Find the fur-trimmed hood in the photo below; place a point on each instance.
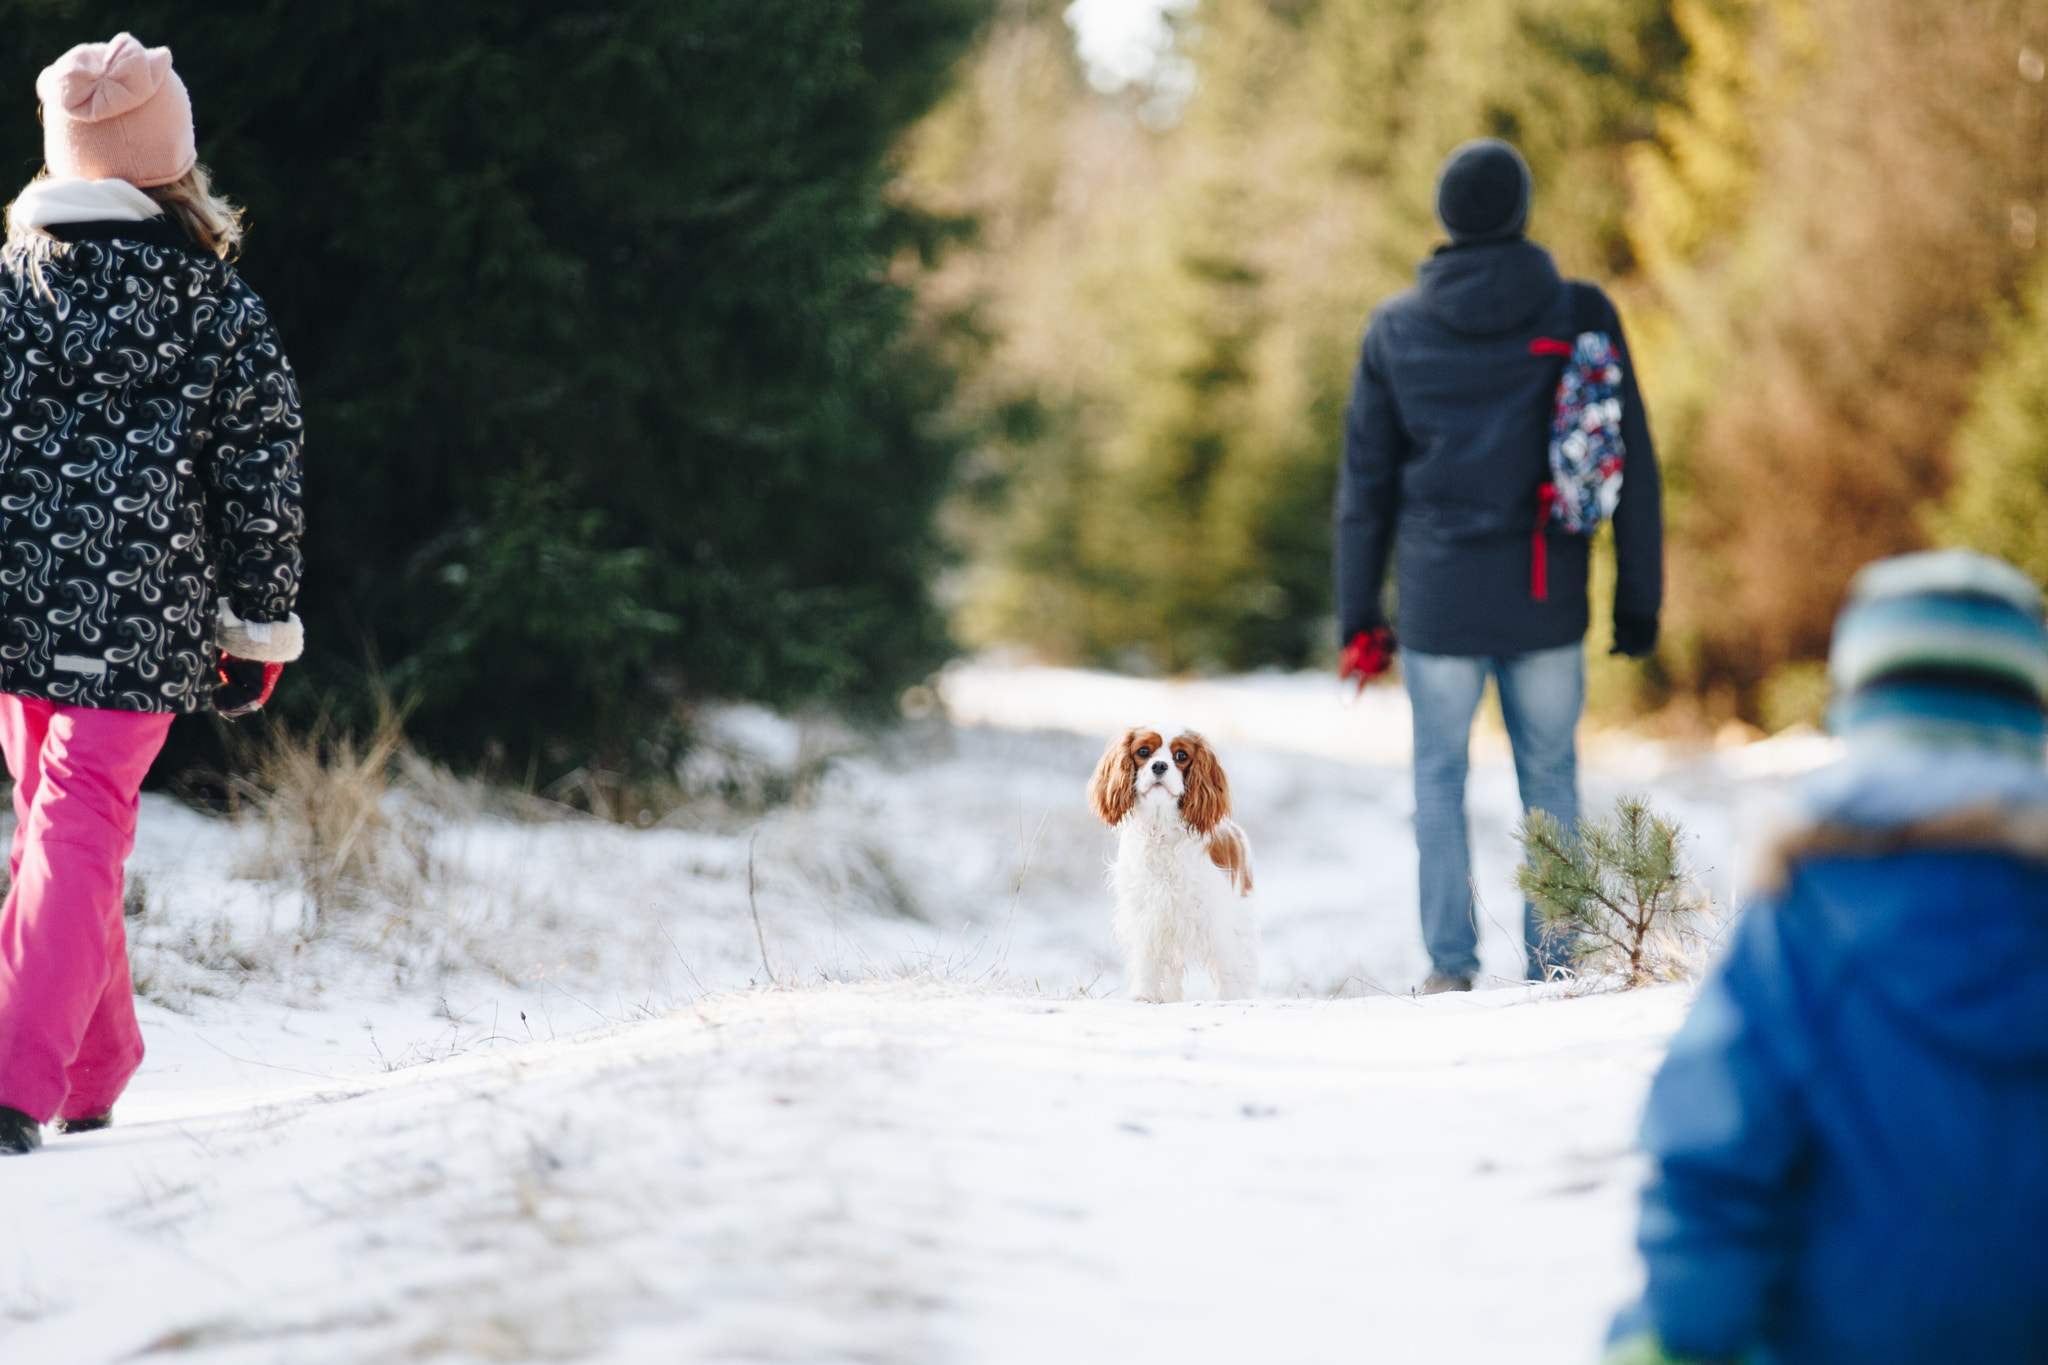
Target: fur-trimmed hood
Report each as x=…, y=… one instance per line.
x=1927, y=874
x=1895, y=799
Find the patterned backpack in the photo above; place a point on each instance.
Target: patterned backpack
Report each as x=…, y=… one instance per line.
x=1586, y=451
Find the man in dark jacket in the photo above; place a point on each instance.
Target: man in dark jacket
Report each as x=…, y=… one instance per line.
x=1446, y=449
x=1849, y=1137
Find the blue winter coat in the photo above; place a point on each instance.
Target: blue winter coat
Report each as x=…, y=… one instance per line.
x=1850, y=1134
x=1447, y=440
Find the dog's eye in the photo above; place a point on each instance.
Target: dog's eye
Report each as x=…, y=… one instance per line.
x=1144, y=751
x=1180, y=755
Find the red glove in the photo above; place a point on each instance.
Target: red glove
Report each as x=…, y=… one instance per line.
x=1370, y=653
x=245, y=684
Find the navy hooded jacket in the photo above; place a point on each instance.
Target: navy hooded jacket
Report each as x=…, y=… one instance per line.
x=1445, y=445
x=1850, y=1134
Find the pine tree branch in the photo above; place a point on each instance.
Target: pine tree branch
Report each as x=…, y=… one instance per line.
x=1610, y=888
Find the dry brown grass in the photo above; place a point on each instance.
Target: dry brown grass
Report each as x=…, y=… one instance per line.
x=347, y=827
x=322, y=795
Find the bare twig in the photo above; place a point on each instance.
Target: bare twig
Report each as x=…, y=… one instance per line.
x=759, y=937
x=676, y=948
x=1017, y=889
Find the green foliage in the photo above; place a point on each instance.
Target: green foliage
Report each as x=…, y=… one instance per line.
x=1695, y=184
x=2000, y=500
x=612, y=400
x=1617, y=891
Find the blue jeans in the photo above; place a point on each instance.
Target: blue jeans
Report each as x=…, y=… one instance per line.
x=1541, y=695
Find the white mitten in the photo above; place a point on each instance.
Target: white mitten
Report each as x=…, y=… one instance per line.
x=268, y=642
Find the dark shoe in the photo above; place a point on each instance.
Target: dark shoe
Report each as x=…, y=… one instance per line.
x=1439, y=982
x=18, y=1132
x=92, y=1123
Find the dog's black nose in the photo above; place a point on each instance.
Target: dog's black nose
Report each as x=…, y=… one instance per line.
x=1160, y=767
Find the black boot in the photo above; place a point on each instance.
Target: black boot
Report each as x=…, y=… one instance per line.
x=18, y=1132
x=92, y=1123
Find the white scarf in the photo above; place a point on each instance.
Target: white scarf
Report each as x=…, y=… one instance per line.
x=67, y=199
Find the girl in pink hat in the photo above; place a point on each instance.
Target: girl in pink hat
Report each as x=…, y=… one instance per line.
x=149, y=541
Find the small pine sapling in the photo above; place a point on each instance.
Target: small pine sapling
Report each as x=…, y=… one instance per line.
x=1619, y=893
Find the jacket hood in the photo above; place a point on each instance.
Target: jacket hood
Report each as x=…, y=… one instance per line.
x=1934, y=890
x=1484, y=288
x=1892, y=786
x=67, y=199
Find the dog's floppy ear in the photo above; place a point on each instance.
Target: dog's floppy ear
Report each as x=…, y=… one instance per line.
x=1207, y=796
x=1114, y=788
x=1229, y=851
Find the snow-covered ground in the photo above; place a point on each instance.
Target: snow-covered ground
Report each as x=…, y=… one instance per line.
x=847, y=1080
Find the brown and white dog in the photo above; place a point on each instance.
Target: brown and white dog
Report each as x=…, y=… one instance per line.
x=1183, y=869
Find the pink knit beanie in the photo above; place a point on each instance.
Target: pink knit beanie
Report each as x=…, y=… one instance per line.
x=116, y=111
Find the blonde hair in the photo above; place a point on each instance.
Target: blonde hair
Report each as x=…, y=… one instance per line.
x=210, y=222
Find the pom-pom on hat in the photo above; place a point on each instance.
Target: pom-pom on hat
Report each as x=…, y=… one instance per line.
x=116, y=111
x=1944, y=648
x=1482, y=192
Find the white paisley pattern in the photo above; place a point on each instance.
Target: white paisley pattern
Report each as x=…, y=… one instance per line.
x=149, y=461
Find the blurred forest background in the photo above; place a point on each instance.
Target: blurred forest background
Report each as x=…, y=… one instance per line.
x=1820, y=218
x=663, y=350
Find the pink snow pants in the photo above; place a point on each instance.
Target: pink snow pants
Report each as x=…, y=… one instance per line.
x=68, y=1036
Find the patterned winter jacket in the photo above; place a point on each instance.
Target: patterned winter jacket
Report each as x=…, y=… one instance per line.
x=149, y=464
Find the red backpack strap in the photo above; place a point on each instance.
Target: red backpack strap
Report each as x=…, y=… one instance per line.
x=1583, y=315
x=1539, y=544
x=1584, y=318
x=1546, y=495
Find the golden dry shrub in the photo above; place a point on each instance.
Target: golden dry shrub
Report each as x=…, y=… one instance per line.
x=322, y=797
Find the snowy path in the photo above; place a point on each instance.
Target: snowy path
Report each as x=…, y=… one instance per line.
x=880, y=1174
x=532, y=1109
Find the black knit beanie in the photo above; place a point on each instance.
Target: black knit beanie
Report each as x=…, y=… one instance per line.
x=1482, y=192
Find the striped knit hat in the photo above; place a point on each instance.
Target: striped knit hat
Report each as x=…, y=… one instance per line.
x=1945, y=648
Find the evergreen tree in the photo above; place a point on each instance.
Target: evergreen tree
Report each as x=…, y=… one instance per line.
x=1693, y=185
x=1616, y=891
x=611, y=400
x=2000, y=500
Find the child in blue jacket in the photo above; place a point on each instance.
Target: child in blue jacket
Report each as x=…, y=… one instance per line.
x=1850, y=1134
